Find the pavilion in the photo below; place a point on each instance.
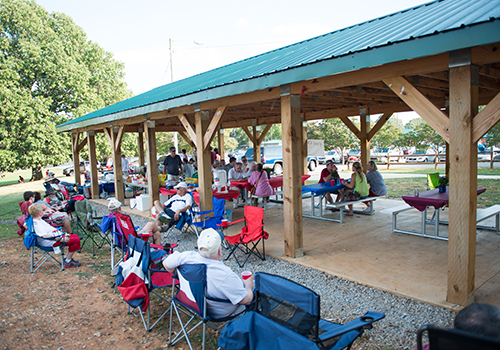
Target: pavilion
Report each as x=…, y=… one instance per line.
x=440, y=59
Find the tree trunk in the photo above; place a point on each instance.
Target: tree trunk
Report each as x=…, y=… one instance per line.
x=36, y=173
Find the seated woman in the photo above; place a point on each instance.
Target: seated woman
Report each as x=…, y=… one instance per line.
x=43, y=229
x=357, y=184
x=260, y=180
x=55, y=218
x=328, y=174
x=376, y=182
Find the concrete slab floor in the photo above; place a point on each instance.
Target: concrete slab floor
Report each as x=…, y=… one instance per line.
x=364, y=249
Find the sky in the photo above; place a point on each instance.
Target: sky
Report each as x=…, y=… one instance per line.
x=207, y=34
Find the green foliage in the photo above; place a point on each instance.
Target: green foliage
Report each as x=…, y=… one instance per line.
x=443, y=181
x=335, y=134
x=389, y=135
x=413, y=123
x=51, y=73
x=424, y=136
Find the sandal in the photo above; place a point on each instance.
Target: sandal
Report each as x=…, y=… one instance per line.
x=349, y=214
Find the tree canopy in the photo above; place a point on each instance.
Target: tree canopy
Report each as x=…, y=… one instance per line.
x=49, y=73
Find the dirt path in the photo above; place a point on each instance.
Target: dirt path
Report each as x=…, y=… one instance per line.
x=72, y=309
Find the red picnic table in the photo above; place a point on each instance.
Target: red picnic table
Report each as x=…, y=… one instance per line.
x=426, y=199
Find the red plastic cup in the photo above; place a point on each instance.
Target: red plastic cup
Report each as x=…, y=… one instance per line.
x=332, y=182
x=246, y=275
x=224, y=223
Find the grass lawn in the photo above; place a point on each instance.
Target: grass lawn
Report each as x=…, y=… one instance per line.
x=11, y=178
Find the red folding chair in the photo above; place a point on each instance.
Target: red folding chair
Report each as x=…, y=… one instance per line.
x=251, y=235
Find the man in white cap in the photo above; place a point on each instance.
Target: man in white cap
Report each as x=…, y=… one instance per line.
x=175, y=209
x=222, y=282
x=114, y=205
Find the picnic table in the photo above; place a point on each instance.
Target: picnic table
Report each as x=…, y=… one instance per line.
x=424, y=201
x=319, y=190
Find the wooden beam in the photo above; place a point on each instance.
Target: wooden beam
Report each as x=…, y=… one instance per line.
x=220, y=143
x=152, y=173
x=264, y=132
x=420, y=104
x=94, y=180
x=81, y=145
x=292, y=168
x=189, y=128
x=186, y=138
x=257, y=155
x=249, y=134
x=75, y=139
x=117, y=165
x=486, y=119
x=364, y=121
x=213, y=126
x=463, y=188
x=140, y=145
x=351, y=126
x=380, y=123
x=204, y=162
x=119, y=138
x=107, y=132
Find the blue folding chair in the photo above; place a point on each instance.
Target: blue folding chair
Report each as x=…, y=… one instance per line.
x=138, y=279
x=287, y=316
x=185, y=225
x=191, y=299
x=215, y=221
x=48, y=253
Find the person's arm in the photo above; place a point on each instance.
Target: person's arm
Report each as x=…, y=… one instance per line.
x=178, y=212
x=328, y=178
x=171, y=262
x=249, y=287
x=352, y=183
x=179, y=160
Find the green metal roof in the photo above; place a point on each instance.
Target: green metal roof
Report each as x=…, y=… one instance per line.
x=428, y=29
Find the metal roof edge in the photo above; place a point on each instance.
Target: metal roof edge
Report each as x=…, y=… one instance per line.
x=464, y=37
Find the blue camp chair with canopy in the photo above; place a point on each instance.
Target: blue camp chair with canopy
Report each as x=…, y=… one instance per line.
x=191, y=299
x=47, y=253
x=138, y=280
x=287, y=316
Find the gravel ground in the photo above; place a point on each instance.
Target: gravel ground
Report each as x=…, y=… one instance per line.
x=343, y=300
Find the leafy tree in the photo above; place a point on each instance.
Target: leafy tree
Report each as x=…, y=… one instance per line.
x=387, y=136
x=335, y=135
x=50, y=73
x=413, y=123
x=424, y=136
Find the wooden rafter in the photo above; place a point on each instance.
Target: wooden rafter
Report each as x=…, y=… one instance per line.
x=486, y=119
x=119, y=137
x=420, y=104
x=249, y=134
x=351, y=126
x=186, y=138
x=263, y=133
x=213, y=126
x=380, y=123
x=81, y=145
x=187, y=125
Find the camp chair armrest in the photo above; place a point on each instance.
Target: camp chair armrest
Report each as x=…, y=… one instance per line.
x=235, y=222
x=144, y=234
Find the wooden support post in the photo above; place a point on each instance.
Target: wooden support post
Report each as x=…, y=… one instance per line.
x=153, y=184
x=94, y=181
x=256, y=144
x=116, y=143
x=140, y=145
x=76, y=157
x=202, y=119
x=220, y=144
x=304, y=149
x=447, y=161
x=292, y=167
x=364, y=142
x=463, y=185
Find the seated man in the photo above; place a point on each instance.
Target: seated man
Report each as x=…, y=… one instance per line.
x=175, y=209
x=43, y=229
x=237, y=174
x=328, y=174
x=222, y=282
x=115, y=205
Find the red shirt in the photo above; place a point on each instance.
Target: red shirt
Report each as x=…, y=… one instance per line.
x=324, y=173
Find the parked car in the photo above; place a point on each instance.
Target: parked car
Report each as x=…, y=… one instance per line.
x=271, y=157
x=380, y=154
x=237, y=154
x=354, y=155
x=421, y=156
x=84, y=166
x=333, y=155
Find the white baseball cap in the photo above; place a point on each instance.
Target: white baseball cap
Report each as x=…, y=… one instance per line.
x=210, y=240
x=114, y=204
x=181, y=185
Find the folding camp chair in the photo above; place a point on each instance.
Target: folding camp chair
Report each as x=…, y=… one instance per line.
x=287, y=316
x=191, y=298
x=186, y=226
x=215, y=221
x=432, y=180
x=137, y=279
x=251, y=235
x=121, y=228
x=47, y=253
x=454, y=339
x=88, y=225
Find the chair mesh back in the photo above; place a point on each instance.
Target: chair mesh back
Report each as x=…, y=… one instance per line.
x=193, y=282
x=219, y=205
x=288, y=303
x=254, y=217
